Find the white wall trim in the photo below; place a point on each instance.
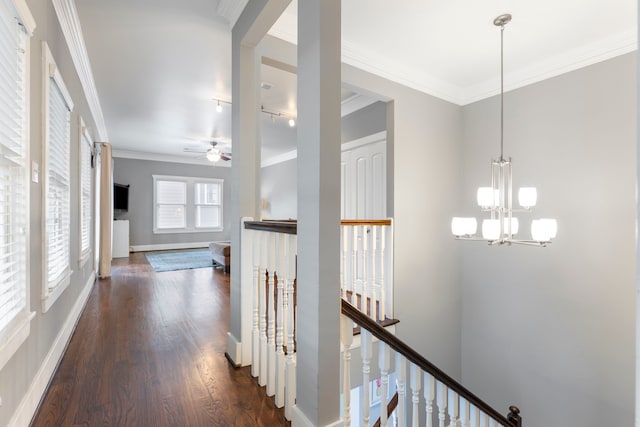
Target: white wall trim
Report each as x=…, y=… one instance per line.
x=280, y=158
x=599, y=51
x=29, y=403
x=234, y=349
x=169, y=158
x=72, y=30
x=25, y=16
x=299, y=419
x=168, y=246
x=354, y=103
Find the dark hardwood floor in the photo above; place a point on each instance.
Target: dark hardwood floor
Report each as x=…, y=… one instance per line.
x=149, y=351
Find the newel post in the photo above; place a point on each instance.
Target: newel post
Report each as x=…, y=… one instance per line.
x=514, y=416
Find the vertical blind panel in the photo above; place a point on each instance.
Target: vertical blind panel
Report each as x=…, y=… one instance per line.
x=13, y=188
x=207, y=216
x=171, y=192
x=85, y=189
x=171, y=216
x=58, y=215
x=207, y=193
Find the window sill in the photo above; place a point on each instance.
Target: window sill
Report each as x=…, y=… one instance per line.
x=52, y=294
x=186, y=230
x=17, y=334
x=84, y=258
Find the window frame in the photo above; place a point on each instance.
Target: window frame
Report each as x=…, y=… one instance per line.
x=52, y=288
x=86, y=143
x=16, y=331
x=190, y=207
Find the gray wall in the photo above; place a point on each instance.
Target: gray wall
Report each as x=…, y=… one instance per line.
x=364, y=122
x=552, y=330
x=20, y=371
x=138, y=174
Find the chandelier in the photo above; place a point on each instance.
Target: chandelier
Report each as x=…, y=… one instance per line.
x=497, y=200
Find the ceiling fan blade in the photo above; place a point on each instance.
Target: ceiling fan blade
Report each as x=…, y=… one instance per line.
x=225, y=157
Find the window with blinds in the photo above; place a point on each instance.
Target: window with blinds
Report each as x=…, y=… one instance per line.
x=57, y=185
x=186, y=204
x=14, y=185
x=85, y=193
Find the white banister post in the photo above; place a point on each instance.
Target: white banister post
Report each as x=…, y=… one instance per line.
x=366, y=350
x=416, y=376
x=271, y=315
x=281, y=280
x=354, y=267
x=346, y=336
x=290, y=371
x=374, y=294
x=383, y=286
x=454, y=408
x=262, y=284
x=384, y=363
x=442, y=404
x=401, y=378
x=365, y=281
x=255, y=333
x=429, y=397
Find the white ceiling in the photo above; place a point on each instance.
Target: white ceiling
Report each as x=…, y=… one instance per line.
x=159, y=63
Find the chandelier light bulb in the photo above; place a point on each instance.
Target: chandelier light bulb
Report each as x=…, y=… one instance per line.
x=487, y=197
x=464, y=226
x=527, y=197
x=491, y=229
x=515, y=226
x=544, y=229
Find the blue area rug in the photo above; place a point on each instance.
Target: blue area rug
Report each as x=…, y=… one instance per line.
x=179, y=260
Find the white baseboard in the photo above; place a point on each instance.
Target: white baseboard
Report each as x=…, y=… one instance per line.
x=168, y=246
x=234, y=350
x=29, y=404
x=299, y=419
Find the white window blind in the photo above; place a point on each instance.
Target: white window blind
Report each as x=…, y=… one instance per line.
x=187, y=204
x=171, y=203
x=85, y=193
x=207, y=204
x=13, y=181
x=57, y=188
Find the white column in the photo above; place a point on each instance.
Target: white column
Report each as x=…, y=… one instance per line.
x=318, y=330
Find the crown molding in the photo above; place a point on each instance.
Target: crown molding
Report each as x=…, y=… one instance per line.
x=354, y=103
x=168, y=158
x=72, y=31
x=231, y=10
x=590, y=54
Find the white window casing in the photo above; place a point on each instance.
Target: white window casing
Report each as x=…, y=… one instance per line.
x=187, y=204
x=16, y=26
x=57, y=182
x=85, y=195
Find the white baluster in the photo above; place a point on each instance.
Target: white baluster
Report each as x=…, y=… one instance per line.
x=476, y=416
x=454, y=408
x=365, y=349
x=384, y=362
x=383, y=288
x=442, y=404
x=401, y=378
x=486, y=420
x=262, y=379
x=493, y=423
x=281, y=275
x=416, y=376
x=466, y=413
x=271, y=318
x=429, y=397
x=365, y=283
x=354, y=267
x=374, y=295
x=255, y=331
x=290, y=373
x=346, y=336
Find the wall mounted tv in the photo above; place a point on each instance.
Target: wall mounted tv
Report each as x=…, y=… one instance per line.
x=120, y=197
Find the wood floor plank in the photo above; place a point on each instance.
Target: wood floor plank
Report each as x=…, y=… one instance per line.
x=149, y=351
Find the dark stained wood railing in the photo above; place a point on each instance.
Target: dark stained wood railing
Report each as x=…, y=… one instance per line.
x=513, y=419
x=391, y=406
x=290, y=226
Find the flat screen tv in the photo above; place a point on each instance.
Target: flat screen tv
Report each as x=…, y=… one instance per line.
x=120, y=197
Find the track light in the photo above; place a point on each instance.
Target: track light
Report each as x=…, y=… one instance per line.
x=292, y=123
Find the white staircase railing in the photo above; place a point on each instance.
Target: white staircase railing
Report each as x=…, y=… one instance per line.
x=447, y=403
x=269, y=292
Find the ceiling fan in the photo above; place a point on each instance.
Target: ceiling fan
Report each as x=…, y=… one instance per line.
x=213, y=154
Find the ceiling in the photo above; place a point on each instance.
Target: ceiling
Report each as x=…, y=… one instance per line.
x=158, y=65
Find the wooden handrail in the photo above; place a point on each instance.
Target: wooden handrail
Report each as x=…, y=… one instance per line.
x=512, y=420
x=393, y=403
x=290, y=226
